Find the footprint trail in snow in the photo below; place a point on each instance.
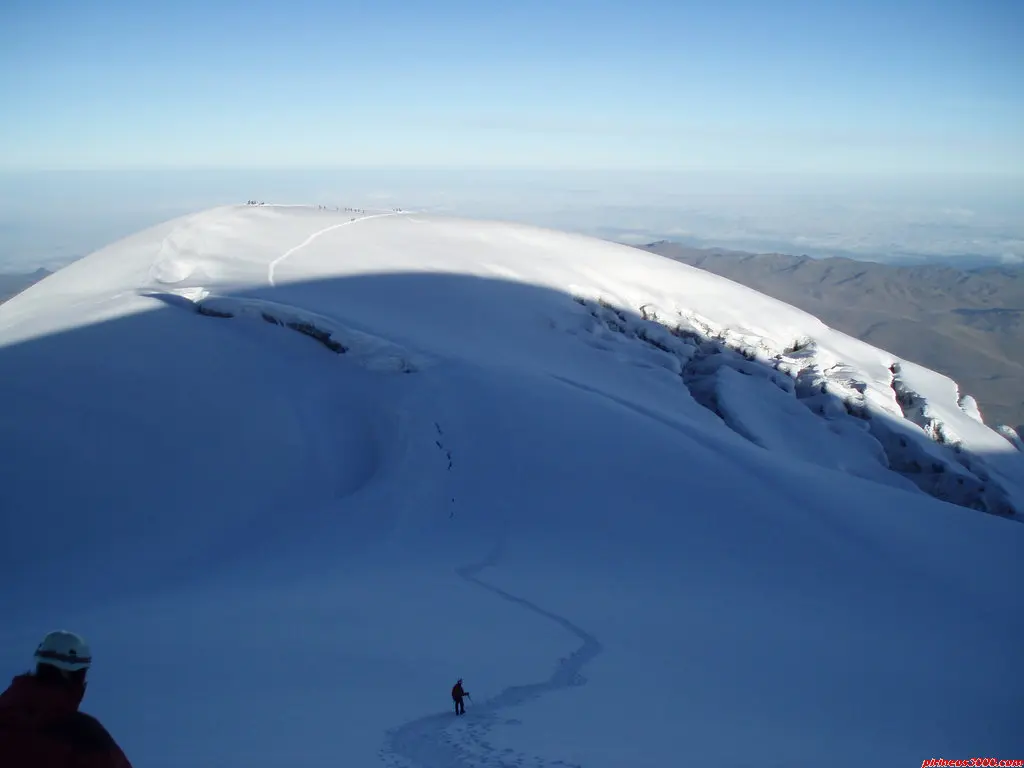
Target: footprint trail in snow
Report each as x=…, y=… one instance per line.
x=428, y=742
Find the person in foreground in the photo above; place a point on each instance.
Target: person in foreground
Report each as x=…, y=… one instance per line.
x=40, y=724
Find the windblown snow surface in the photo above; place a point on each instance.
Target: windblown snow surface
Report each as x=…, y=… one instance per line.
x=294, y=471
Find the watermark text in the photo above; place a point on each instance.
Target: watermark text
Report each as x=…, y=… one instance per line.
x=972, y=762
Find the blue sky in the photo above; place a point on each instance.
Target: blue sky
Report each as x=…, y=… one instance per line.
x=865, y=87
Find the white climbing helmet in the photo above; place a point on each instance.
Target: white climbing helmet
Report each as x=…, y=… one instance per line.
x=64, y=650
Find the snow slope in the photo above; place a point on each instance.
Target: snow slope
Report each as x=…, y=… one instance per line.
x=294, y=471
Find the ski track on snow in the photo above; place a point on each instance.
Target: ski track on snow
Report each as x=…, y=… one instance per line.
x=427, y=743
x=273, y=265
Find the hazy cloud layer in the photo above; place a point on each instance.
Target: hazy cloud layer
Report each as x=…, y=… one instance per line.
x=49, y=219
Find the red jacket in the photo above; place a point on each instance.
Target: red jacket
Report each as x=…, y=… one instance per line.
x=41, y=727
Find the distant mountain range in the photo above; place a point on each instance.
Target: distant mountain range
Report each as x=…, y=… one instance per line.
x=13, y=284
x=967, y=324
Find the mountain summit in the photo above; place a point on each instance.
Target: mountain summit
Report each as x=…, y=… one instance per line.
x=329, y=461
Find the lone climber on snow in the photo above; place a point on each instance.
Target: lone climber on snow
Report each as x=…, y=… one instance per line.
x=458, y=694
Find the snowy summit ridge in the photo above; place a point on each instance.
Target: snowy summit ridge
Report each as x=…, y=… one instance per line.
x=876, y=416
x=327, y=462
